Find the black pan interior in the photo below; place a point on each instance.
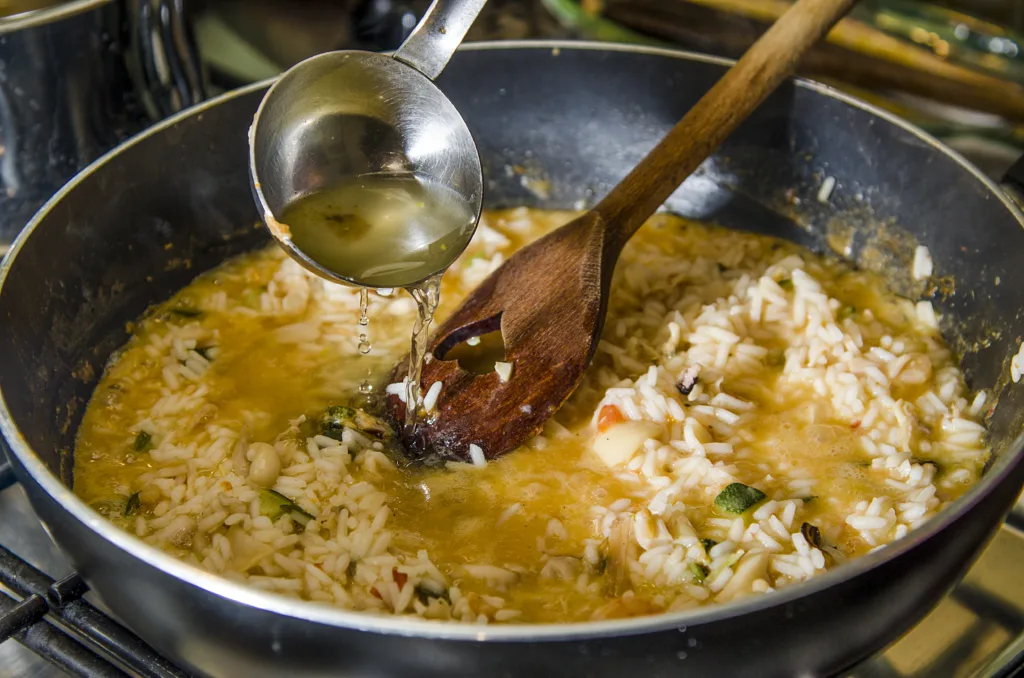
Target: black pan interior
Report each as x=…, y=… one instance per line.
x=556, y=128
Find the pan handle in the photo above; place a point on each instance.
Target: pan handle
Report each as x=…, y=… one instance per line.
x=438, y=34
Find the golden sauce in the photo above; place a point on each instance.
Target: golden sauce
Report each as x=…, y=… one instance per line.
x=267, y=367
x=381, y=230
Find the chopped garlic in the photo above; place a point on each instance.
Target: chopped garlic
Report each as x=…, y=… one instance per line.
x=504, y=371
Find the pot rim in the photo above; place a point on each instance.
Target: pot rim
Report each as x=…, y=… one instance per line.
x=48, y=15
x=321, y=613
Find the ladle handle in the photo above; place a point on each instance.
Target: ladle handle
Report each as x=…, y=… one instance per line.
x=438, y=34
x=717, y=115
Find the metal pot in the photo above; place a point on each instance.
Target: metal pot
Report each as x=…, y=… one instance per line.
x=175, y=201
x=76, y=79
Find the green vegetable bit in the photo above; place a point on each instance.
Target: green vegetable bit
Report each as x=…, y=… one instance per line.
x=700, y=571
x=186, y=312
x=708, y=544
x=274, y=505
x=809, y=499
x=737, y=498
x=786, y=284
x=205, y=351
x=337, y=418
x=143, y=442
x=132, y=505
x=812, y=534
x=846, y=311
x=425, y=593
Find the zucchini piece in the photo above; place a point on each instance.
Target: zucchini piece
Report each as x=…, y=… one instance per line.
x=708, y=544
x=143, y=442
x=700, y=572
x=205, y=351
x=274, y=505
x=737, y=498
x=186, y=312
x=131, y=507
x=336, y=418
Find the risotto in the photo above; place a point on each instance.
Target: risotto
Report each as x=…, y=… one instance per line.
x=755, y=415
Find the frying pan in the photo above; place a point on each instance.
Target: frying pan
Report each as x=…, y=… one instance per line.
x=557, y=125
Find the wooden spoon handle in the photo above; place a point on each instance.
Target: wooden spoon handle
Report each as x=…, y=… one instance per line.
x=766, y=64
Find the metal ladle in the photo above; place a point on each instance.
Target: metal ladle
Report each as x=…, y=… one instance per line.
x=342, y=115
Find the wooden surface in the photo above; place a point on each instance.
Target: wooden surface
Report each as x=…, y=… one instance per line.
x=550, y=298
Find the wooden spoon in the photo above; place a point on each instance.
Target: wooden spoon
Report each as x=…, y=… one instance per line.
x=550, y=298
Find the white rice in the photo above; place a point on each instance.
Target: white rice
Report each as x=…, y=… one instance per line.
x=696, y=347
x=922, y=267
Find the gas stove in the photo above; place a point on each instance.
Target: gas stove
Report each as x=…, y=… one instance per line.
x=50, y=625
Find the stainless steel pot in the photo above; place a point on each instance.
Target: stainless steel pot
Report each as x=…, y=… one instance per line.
x=579, y=116
x=77, y=78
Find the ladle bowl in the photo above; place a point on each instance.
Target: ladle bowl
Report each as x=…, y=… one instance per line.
x=345, y=115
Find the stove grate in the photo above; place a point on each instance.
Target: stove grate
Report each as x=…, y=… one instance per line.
x=53, y=620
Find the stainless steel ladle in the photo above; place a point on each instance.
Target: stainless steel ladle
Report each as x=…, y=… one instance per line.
x=342, y=115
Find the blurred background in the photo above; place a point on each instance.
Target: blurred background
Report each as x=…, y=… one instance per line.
x=78, y=76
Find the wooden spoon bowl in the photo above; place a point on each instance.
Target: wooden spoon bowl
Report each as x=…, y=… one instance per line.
x=550, y=298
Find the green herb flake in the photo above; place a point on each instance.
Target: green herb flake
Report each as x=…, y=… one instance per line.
x=846, y=312
x=786, y=284
x=131, y=507
x=700, y=571
x=143, y=442
x=808, y=499
x=737, y=498
x=708, y=544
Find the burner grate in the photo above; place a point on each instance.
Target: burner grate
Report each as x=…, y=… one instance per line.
x=53, y=620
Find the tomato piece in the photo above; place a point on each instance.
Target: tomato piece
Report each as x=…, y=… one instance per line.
x=608, y=416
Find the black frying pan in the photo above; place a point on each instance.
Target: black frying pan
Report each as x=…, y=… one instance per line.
x=578, y=116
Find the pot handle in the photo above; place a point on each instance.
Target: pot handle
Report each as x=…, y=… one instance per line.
x=167, y=66
x=438, y=34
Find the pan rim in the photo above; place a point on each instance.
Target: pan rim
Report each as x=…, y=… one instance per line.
x=30, y=462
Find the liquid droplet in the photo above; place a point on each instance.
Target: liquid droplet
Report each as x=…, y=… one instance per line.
x=364, y=305
x=364, y=321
